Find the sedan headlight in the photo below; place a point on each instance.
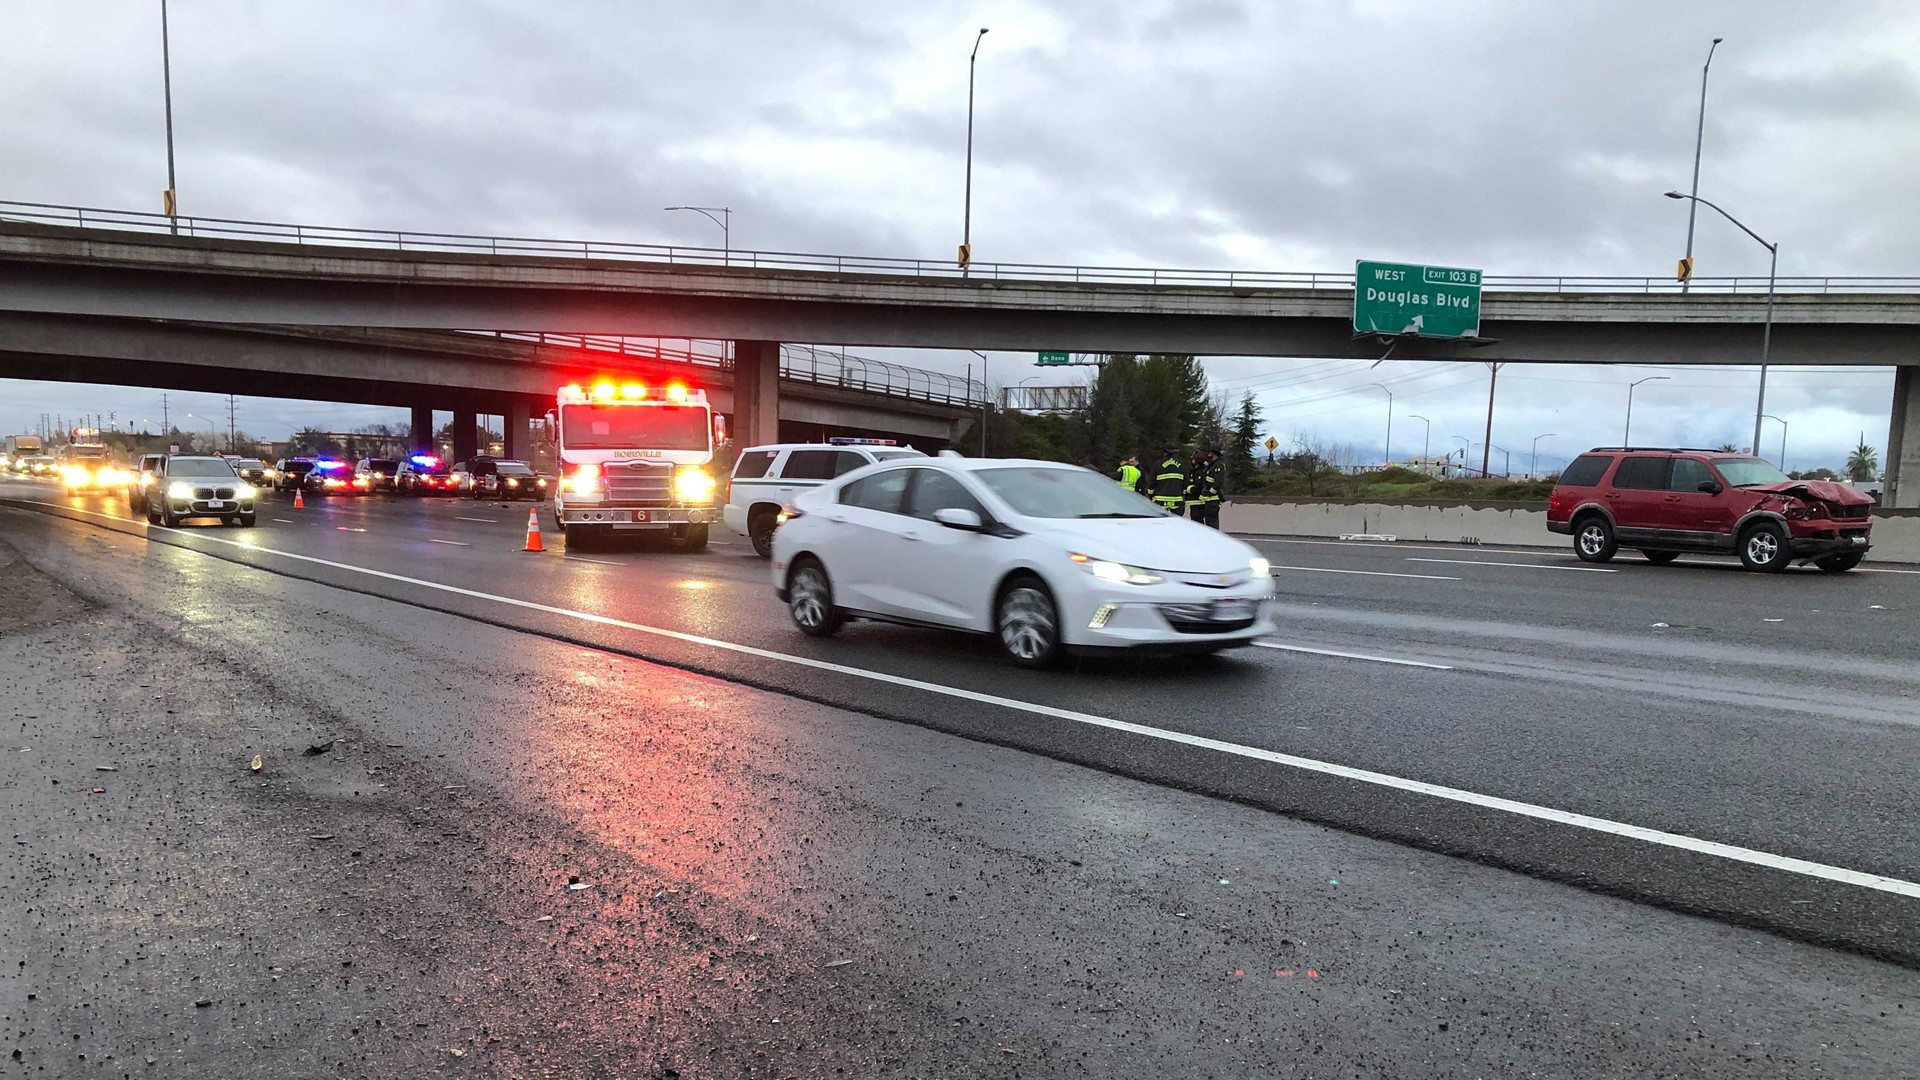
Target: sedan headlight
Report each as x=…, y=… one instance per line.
x=1260, y=567
x=179, y=490
x=693, y=485
x=1118, y=573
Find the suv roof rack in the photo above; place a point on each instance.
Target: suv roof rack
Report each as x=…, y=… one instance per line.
x=1659, y=450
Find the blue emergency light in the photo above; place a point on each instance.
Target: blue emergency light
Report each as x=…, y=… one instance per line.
x=844, y=441
x=424, y=459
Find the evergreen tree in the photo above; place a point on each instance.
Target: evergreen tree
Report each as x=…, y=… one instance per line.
x=1242, y=467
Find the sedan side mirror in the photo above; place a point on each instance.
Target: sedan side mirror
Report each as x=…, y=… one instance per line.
x=1711, y=487
x=955, y=518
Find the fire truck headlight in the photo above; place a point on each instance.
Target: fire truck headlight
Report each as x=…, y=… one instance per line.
x=585, y=480
x=693, y=485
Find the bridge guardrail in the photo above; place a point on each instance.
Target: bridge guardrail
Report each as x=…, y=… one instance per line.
x=803, y=363
x=407, y=240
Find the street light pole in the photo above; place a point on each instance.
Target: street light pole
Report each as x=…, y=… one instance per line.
x=1766, y=334
x=1783, y=442
x=1465, y=446
x=1426, y=444
x=966, y=225
x=1388, y=462
x=725, y=221
x=172, y=206
x=1699, y=133
x=1533, y=457
x=1627, y=439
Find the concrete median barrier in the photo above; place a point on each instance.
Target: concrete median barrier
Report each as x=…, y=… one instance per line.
x=1896, y=533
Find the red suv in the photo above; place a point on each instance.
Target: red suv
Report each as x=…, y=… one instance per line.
x=1668, y=501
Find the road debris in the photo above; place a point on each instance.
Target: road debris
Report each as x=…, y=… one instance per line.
x=320, y=836
x=574, y=884
x=321, y=748
x=203, y=1003
x=99, y=791
x=256, y=764
x=838, y=963
x=106, y=768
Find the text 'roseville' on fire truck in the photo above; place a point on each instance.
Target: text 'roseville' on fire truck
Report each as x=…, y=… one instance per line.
x=634, y=457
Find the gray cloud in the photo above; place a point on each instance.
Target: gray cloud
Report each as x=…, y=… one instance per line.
x=1517, y=136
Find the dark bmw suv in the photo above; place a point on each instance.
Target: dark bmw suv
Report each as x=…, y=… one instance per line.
x=1668, y=501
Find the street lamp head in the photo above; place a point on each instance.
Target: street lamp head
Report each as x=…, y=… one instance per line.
x=1677, y=195
x=1716, y=41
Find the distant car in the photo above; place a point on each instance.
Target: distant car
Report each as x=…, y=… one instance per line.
x=290, y=474
x=766, y=478
x=424, y=474
x=374, y=475
x=503, y=478
x=1669, y=501
x=143, y=473
x=1046, y=558
x=331, y=476
x=41, y=465
x=253, y=471
x=193, y=485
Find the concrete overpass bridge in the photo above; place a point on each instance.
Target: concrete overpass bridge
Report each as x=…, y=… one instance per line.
x=472, y=374
x=81, y=262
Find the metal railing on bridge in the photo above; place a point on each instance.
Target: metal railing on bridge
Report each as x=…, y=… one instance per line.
x=802, y=363
x=676, y=255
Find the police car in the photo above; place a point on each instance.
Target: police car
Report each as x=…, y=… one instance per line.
x=766, y=478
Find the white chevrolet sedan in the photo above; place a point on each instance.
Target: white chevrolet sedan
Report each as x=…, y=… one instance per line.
x=1047, y=558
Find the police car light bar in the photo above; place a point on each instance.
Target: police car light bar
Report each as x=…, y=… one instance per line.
x=424, y=459
x=843, y=441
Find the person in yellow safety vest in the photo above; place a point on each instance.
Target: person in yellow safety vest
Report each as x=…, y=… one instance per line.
x=1169, y=487
x=1129, y=474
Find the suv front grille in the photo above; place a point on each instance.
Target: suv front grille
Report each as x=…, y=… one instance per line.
x=638, y=483
x=1849, y=512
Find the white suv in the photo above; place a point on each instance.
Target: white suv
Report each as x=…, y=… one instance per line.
x=766, y=478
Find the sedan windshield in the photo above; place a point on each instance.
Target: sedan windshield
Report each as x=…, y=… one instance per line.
x=1746, y=472
x=512, y=468
x=198, y=467
x=1065, y=493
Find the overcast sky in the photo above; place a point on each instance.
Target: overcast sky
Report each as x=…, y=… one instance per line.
x=1519, y=137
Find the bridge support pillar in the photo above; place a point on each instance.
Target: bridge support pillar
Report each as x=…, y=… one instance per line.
x=756, y=393
x=422, y=429
x=516, y=417
x=1903, y=441
x=465, y=444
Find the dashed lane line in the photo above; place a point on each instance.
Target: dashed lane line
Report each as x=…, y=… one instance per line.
x=1353, y=656
x=455, y=543
x=1519, y=565
x=1363, y=573
x=1712, y=848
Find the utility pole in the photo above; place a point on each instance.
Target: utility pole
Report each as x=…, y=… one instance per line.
x=166, y=422
x=230, y=424
x=1486, y=451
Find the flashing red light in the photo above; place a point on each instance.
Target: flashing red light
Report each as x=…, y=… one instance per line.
x=633, y=391
x=676, y=392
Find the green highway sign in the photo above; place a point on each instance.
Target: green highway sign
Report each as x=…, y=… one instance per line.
x=1423, y=301
x=1053, y=358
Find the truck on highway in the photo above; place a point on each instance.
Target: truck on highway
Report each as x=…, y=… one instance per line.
x=635, y=459
x=89, y=465
x=23, y=446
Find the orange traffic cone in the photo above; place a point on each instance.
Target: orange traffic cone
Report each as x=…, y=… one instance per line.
x=298, y=502
x=533, y=531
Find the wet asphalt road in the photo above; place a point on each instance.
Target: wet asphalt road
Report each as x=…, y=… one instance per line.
x=1088, y=932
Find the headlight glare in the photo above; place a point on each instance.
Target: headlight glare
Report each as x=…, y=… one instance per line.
x=244, y=490
x=1260, y=567
x=1118, y=573
x=179, y=490
x=693, y=485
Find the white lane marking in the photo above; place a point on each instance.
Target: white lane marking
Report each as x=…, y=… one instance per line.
x=1353, y=656
x=1882, y=570
x=489, y=521
x=455, y=543
x=1730, y=852
x=283, y=521
x=1362, y=573
x=1520, y=565
x=583, y=558
x=1399, y=545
